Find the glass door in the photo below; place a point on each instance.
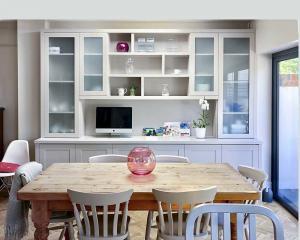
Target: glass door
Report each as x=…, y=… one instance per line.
x=93, y=64
x=60, y=89
x=236, y=64
x=204, y=64
x=286, y=128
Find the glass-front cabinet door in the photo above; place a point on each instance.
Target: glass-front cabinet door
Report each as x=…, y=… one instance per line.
x=236, y=64
x=204, y=64
x=60, y=85
x=93, y=77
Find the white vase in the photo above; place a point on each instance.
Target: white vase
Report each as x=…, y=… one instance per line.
x=200, y=132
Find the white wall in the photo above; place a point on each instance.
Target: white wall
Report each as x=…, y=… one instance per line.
x=271, y=36
x=29, y=80
x=9, y=79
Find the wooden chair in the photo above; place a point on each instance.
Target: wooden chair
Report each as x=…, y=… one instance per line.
x=172, y=159
x=99, y=221
x=172, y=223
x=17, y=152
x=108, y=158
x=162, y=159
x=225, y=210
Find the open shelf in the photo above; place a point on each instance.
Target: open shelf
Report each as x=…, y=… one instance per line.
x=176, y=86
x=142, y=65
x=125, y=82
x=114, y=38
x=176, y=65
x=164, y=42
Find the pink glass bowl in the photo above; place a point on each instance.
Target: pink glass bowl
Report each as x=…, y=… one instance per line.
x=141, y=161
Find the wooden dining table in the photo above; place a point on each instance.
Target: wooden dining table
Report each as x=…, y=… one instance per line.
x=48, y=192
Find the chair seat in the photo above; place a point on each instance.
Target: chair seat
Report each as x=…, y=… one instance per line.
x=110, y=219
x=165, y=236
x=65, y=216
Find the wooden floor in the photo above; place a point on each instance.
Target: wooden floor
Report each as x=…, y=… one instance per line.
x=137, y=226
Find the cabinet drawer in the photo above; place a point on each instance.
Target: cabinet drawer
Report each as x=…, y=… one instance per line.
x=203, y=153
x=84, y=152
x=241, y=155
x=56, y=153
x=176, y=150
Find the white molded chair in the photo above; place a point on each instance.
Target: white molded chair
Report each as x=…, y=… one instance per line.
x=241, y=210
x=17, y=152
x=108, y=158
x=171, y=159
x=172, y=221
x=99, y=221
x=163, y=159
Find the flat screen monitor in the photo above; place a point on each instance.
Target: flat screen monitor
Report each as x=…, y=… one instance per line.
x=114, y=120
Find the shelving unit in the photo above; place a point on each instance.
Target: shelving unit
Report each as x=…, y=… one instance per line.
x=214, y=65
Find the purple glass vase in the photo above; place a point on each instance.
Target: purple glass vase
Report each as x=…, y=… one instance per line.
x=141, y=161
x=122, y=47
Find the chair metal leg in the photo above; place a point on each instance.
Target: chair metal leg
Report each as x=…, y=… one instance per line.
x=148, y=226
x=61, y=236
x=5, y=185
x=246, y=233
x=70, y=230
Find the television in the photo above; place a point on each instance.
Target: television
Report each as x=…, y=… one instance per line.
x=114, y=120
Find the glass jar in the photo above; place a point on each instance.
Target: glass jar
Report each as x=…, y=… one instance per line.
x=129, y=66
x=165, y=90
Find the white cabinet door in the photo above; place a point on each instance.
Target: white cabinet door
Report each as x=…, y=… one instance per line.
x=124, y=149
x=204, y=64
x=203, y=153
x=84, y=152
x=237, y=85
x=56, y=153
x=241, y=155
x=176, y=150
x=93, y=64
x=59, y=91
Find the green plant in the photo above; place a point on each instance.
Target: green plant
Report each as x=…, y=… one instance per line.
x=202, y=121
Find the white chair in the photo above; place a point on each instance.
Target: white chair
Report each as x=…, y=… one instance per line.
x=171, y=159
x=162, y=159
x=108, y=158
x=172, y=221
x=225, y=210
x=17, y=152
x=105, y=215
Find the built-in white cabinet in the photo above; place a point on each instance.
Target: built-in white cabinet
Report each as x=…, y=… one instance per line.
x=236, y=85
x=234, y=154
x=241, y=155
x=48, y=154
x=93, y=65
x=59, y=87
x=85, y=151
x=177, y=150
x=204, y=64
x=203, y=153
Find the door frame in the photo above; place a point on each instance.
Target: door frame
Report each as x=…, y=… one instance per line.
x=276, y=58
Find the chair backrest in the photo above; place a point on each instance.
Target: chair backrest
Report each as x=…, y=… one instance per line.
x=255, y=176
x=171, y=159
x=176, y=202
x=90, y=204
x=109, y=158
x=17, y=152
x=225, y=210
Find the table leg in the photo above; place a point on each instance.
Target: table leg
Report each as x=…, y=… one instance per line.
x=40, y=218
x=233, y=227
